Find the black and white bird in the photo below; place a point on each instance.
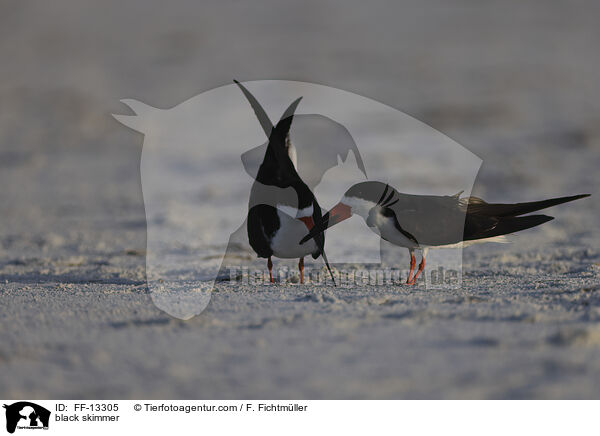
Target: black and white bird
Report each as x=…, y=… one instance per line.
x=430, y=221
x=282, y=207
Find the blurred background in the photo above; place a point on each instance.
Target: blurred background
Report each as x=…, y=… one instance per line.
x=514, y=82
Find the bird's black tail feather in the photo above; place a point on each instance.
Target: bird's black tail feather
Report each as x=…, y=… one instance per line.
x=511, y=225
x=479, y=207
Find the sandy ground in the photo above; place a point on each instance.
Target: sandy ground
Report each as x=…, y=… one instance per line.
x=516, y=85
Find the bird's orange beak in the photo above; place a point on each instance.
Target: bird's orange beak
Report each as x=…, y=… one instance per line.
x=337, y=214
x=308, y=222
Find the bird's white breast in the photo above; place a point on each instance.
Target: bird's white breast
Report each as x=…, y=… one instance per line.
x=386, y=228
x=286, y=241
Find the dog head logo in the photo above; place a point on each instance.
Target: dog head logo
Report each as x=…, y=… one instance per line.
x=26, y=415
x=200, y=163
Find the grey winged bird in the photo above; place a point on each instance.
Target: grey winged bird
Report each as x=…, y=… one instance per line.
x=430, y=221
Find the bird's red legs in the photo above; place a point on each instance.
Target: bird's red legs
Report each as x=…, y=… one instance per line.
x=421, y=268
x=419, y=271
x=413, y=262
x=301, y=268
x=270, y=266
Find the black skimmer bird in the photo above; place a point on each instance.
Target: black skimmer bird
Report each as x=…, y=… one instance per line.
x=428, y=221
x=282, y=207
